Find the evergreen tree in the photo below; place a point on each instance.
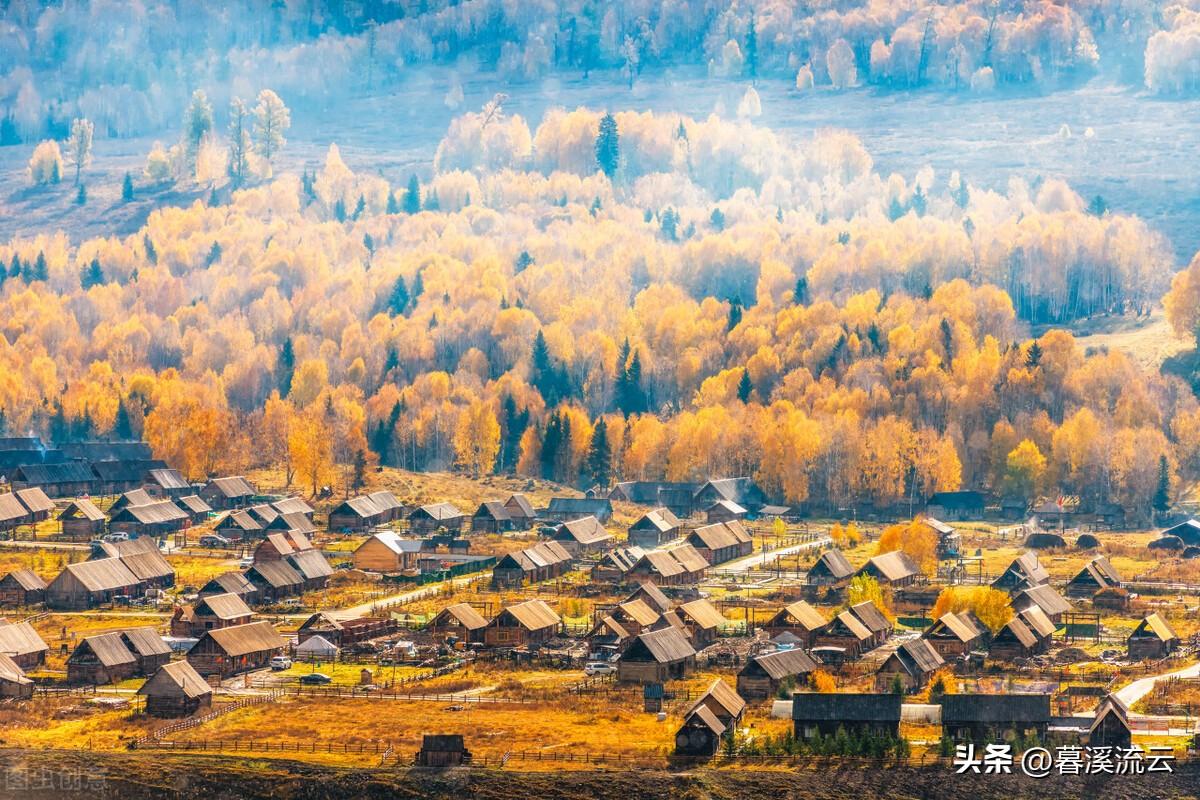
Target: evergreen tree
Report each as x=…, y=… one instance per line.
x=918, y=201
x=81, y=195
x=214, y=199
x=418, y=287
x=360, y=207
x=717, y=220
x=432, y=203
x=91, y=275
x=597, y=206
x=513, y=424
x=752, y=49
x=524, y=261
x=896, y=209
x=800, y=293
x=60, y=431
x=551, y=439
x=1162, y=493
x=412, y=197
x=197, y=124
x=393, y=207
x=669, y=222
x=1033, y=356
x=285, y=367
x=745, y=387
x=359, y=478
x=151, y=253
x=238, y=163
x=14, y=266
x=339, y=210
x=608, y=146
x=399, y=299
x=735, y=315
x=544, y=377
x=1097, y=207
x=214, y=254
x=127, y=188
x=599, y=462
x=39, y=271
x=391, y=361
x=369, y=243
x=123, y=427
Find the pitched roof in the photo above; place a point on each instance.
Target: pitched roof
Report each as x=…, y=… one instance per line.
x=11, y=672
x=240, y=520
x=134, y=497
x=854, y=625
x=108, y=648
x=534, y=615
x=661, y=562
x=11, y=509
x=276, y=574
x=234, y=582
x=253, y=637
x=940, y=527
x=55, y=473
x=263, y=512
x=195, y=504
x=233, y=486
x=1156, y=627
x=145, y=641
x=870, y=616
x=293, y=523
x=168, y=478
x=439, y=512
x=311, y=564
x=101, y=575
x=125, y=470
x=1038, y=622
x=34, y=499
x=705, y=715
x=843, y=707
x=292, y=505
x=585, y=531
x=223, y=606
x=712, y=537
x=969, y=708
x=19, y=638
x=808, y=617
x=727, y=506
x=653, y=596
x=659, y=518
x=607, y=623
x=1017, y=628
x=893, y=566
x=280, y=543
x=147, y=565
x=493, y=509
x=1043, y=596
x=466, y=615
x=27, y=579
x=835, y=564
x=519, y=505
x=394, y=542
x=688, y=557
x=106, y=451
x=918, y=656
x=580, y=505
x=639, y=611
x=159, y=512
x=624, y=558
x=82, y=508
x=1028, y=567
x=386, y=501
x=703, y=613
x=362, y=506
x=725, y=697
x=666, y=644
x=958, y=625
x=176, y=676
x=785, y=663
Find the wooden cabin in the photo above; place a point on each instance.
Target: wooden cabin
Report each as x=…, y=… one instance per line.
x=443, y=750
x=995, y=717
x=228, y=493
x=725, y=511
x=210, y=612
x=239, y=526
x=460, y=621
x=949, y=542
x=543, y=561
x=66, y=479
x=294, y=505
x=20, y=642
x=81, y=519
x=435, y=517
x=764, y=674
x=241, y=648
x=521, y=511
x=1044, y=597
x=1017, y=639
x=725, y=704
x=844, y=633
x=565, y=509
x=656, y=657
x=387, y=551
x=799, y=619
x=821, y=715
x=652, y=596
x=831, y=571
x=36, y=503
x=1110, y=725
x=294, y=524
x=742, y=491
x=636, y=615
x=894, y=569
x=313, y=567
x=358, y=514
x=1024, y=571
x=721, y=541
x=275, y=580
x=121, y=474
x=12, y=513
x=22, y=587
x=656, y=527
x=176, y=690
x=88, y=584
x=491, y=517
x=166, y=482
x=1152, y=639
x=874, y=620
x=13, y=683
x=522, y=625
x=1096, y=576
x=234, y=583
x=956, y=634
x=700, y=735
x=113, y=657
x=702, y=621
x=957, y=506
x=913, y=663
x=582, y=535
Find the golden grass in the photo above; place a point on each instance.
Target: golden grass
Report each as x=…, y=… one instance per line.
x=195, y=571
x=70, y=723
x=64, y=630
x=45, y=561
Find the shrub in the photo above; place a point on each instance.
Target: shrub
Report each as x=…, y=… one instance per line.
x=46, y=163
x=1087, y=542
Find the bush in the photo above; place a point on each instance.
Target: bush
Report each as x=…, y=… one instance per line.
x=46, y=163
x=1044, y=541
x=1087, y=542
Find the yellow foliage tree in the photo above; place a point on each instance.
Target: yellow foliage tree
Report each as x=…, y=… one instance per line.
x=990, y=606
x=864, y=589
x=916, y=539
x=477, y=438
x=311, y=450
x=821, y=681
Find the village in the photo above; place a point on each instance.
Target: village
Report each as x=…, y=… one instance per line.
x=444, y=621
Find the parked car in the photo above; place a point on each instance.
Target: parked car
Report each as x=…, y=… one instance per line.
x=213, y=540
x=118, y=536
x=315, y=677
x=599, y=668
x=246, y=563
x=280, y=663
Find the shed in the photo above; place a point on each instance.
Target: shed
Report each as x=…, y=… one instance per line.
x=168, y=482
x=13, y=682
x=874, y=620
x=1097, y=575
x=241, y=648
x=652, y=596
x=725, y=704
x=1188, y=531
x=725, y=511
x=275, y=580
x=821, y=715
x=847, y=633
x=955, y=634
x=22, y=587
x=313, y=567
x=656, y=657
x=20, y=642
x=210, y=612
x=152, y=519
x=238, y=525
x=81, y=519
x=764, y=674
x=35, y=502
x=995, y=717
x=12, y=513
x=233, y=582
x=1110, y=726
x=195, y=507
x=87, y=584
x=702, y=621
x=294, y=505
x=491, y=517
x=357, y=514
x=742, y=491
x=120, y=474
x=443, y=750
x=117, y=655
x=176, y=690
x=1152, y=639
x=700, y=734
x=721, y=541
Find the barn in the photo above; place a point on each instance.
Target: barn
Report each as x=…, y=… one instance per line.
x=656, y=657
x=81, y=519
x=725, y=511
x=995, y=717
x=88, y=584
x=113, y=657
x=275, y=580
x=166, y=482
x=955, y=634
x=153, y=519
x=176, y=690
x=656, y=527
x=565, y=509
x=66, y=479
x=22, y=587
x=522, y=625
x=832, y=571
x=195, y=507
x=822, y=715
x=356, y=514
x=13, y=682
x=226, y=493
x=765, y=673
x=239, y=525
x=241, y=648
x=435, y=517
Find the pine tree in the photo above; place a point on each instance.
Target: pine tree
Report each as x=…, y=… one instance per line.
x=60, y=431
x=14, y=266
x=599, y=463
x=239, y=141
x=432, y=203
x=151, y=253
x=543, y=377
x=91, y=275
x=524, y=261
x=800, y=293
x=608, y=146
x=752, y=49
x=214, y=254
x=285, y=367
x=918, y=202
x=412, y=196
x=735, y=315
x=271, y=120
x=551, y=439
x=745, y=387
x=127, y=188
x=197, y=124
x=1033, y=356
x=39, y=271
x=123, y=427
x=669, y=222
x=359, y=478
x=399, y=299
x=339, y=210
x=81, y=195
x=393, y=207
x=360, y=207
x=1162, y=494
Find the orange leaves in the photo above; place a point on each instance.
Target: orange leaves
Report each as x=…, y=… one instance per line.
x=990, y=605
x=914, y=538
x=477, y=438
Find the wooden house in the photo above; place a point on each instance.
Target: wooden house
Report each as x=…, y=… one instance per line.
x=113, y=657
x=913, y=663
x=543, y=561
x=148, y=565
x=152, y=519
x=443, y=750
x=176, y=690
x=357, y=514
x=700, y=735
x=81, y=519
x=873, y=620
x=521, y=511
x=831, y=571
x=677, y=566
x=166, y=482
x=239, y=525
x=635, y=615
x=725, y=704
x=955, y=634
x=799, y=619
x=13, y=683
x=66, y=479
x=1110, y=725
x=652, y=596
x=656, y=527
x=742, y=491
x=522, y=625
x=210, y=612
x=228, y=493
x=957, y=506
x=20, y=642
x=1019, y=639
x=656, y=657
x=949, y=542
x=292, y=523
x=234, y=583
x=386, y=551
x=12, y=513
x=765, y=673
x=1044, y=597
x=121, y=474
x=313, y=567
x=195, y=507
x=844, y=633
x=491, y=517
x=274, y=547
x=565, y=509
x=822, y=715
x=107, y=451
x=675, y=496
x=22, y=587
x=725, y=511
x=1024, y=571
x=263, y=513
x=582, y=535
x=1188, y=531
x=702, y=621
x=436, y=517
x=88, y=584
x=241, y=648
x=1097, y=575
x=995, y=717
x=460, y=621
x=607, y=632
x=1152, y=639
x=894, y=569
x=294, y=505
x=343, y=633
x=721, y=541
x=275, y=580
x=36, y=503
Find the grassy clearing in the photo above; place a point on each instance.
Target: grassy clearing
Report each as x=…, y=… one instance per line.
x=70, y=723
x=62, y=631
x=194, y=571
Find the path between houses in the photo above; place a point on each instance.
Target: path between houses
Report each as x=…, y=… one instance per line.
x=765, y=558
x=1140, y=688
x=363, y=609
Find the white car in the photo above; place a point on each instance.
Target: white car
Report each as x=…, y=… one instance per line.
x=280, y=663
x=599, y=668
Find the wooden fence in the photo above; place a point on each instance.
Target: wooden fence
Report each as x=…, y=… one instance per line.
x=156, y=735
